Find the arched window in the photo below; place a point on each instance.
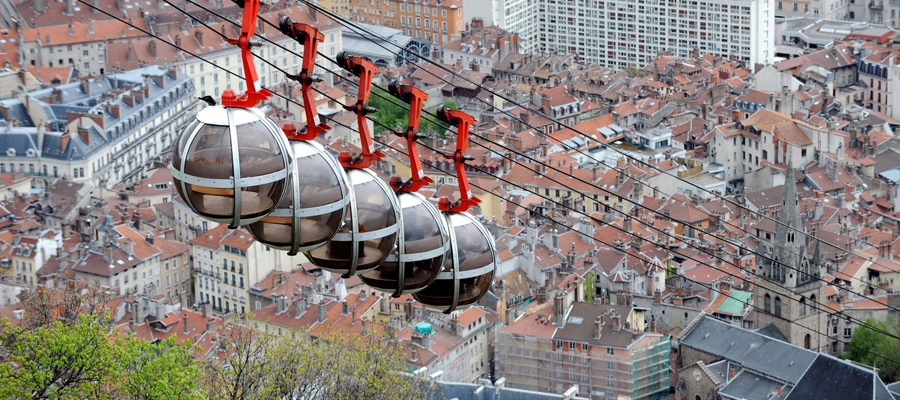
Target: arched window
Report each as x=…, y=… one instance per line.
x=802, y=306
x=768, y=303
x=807, y=341
x=812, y=303
x=777, y=306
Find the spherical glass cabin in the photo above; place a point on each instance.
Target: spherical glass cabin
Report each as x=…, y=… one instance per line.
x=369, y=232
x=231, y=165
x=422, y=246
x=314, y=206
x=467, y=274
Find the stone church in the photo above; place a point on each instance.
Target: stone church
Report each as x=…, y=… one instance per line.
x=790, y=290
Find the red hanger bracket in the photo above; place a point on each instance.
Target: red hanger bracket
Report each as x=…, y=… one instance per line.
x=252, y=96
x=309, y=37
x=365, y=70
x=462, y=121
x=415, y=98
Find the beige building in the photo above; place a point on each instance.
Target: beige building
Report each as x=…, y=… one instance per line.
x=227, y=263
x=80, y=45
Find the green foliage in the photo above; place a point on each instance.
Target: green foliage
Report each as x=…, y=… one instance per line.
x=396, y=117
x=867, y=342
x=337, y=366
x=85, y=359
x=590, y=287
x=164, y=370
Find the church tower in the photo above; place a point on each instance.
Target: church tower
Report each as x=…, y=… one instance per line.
x=789, y=291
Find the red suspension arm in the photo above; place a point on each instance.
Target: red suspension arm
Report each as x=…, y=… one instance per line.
x=309, y=37
x=416, y=98
x=252, y=96
x=365, y=70
x=462, y=121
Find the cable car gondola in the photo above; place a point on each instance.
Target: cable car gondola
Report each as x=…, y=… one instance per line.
x=469, y=271
x=424, y=241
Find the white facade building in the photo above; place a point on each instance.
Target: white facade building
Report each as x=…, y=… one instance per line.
x=629, y=33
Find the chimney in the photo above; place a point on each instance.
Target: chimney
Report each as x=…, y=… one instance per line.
x=70, y=7
x=71, y=29
x=384, y=305
x=184, y=322
x=211, y=325
x=559, y=310
x=279, y=303
x=322, y=311
x=178, y=40
x=616, y=321
x=152, y=48
x=96, y=4
x=340, y=289
x=91, y=27
x=598, y=327
x=39, y=5
x=198, y=35
x=207, y=309
x=345, y=308
x=313, y=13
x=128, y=247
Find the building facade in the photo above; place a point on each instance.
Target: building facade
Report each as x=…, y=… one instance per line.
x=105, y=129
x=623, y=34
x=430, y=20
x=227, y=263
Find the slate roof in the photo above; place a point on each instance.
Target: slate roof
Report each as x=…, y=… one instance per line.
x=773, y=332
x=749, y=386
x=750, y=349
x=93, y=99
x=848, y=382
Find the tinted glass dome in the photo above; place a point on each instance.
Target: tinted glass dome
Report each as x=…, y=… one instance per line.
x=314, y=206
x=421, y=248
x=369, y=231
x=231, y=165
x=468, y=273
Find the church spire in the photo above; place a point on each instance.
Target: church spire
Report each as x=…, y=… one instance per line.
x=790, y=246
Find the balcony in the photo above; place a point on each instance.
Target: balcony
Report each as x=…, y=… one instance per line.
x=876, y=5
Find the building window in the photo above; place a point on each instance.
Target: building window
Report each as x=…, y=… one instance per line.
x=767, y=303
x=777, y=306
x=807, y=341
x=802, y=306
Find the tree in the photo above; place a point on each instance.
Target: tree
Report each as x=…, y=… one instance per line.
x=868, y=346
x=262, y=365
x=590, y=286
x=80, y=355
x=151, y=371
x=58, y=361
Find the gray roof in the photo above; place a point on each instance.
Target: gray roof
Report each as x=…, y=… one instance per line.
x=892, y=175
x=466, y=391
x=773, y=332
x=750, y=349
x=88, y=97
x=747, y=385
x=829, y=378
x=889, y=159
x=894, y=388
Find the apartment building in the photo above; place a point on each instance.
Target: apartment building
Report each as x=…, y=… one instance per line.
x=80, y=45
x=436, y=21
x=340, y=7
x=770, y=137
x=880, y=73
x=227, y=263
x=103, y=129
x=128, y=262
x=608, y=351
x=480, y=47
x=629, y=33
x=826, y=9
